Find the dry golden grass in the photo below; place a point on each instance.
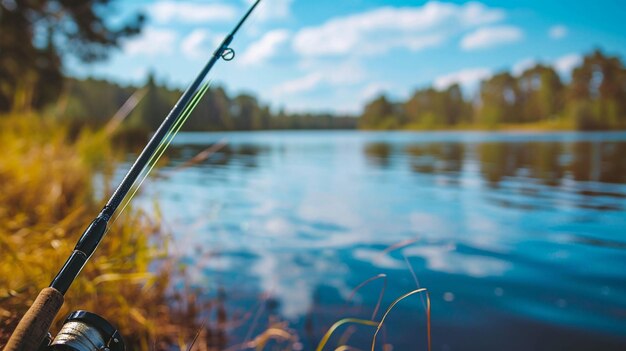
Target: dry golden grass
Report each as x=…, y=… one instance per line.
x=46, y=201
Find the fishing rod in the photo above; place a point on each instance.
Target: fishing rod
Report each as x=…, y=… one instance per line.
x=83, y=330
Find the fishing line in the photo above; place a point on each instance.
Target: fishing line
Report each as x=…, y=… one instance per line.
x=30, y=333
x=163, y=146
x=171, y=134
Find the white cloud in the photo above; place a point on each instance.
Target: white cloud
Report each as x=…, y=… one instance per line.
x=152, y=41
x=138, y=74
x=191, y=12
x=343, y=74
x=272, y=9
x=467, y=78
x=299, y=85
x=380, y=30
x=557, y=32
x=491, y=36
x=522, y=65
x=565, y=64
x=265, y=48
x=373, y=90
x=200, y=43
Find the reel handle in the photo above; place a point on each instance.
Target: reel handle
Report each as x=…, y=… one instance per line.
x=34, y=326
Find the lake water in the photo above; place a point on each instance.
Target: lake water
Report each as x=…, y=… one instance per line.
x=520, y=238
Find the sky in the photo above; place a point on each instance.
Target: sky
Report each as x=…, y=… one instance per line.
x=336, y=55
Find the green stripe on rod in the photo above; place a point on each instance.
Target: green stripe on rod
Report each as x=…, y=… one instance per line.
x=171, y=134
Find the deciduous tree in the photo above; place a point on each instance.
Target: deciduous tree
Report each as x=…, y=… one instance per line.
x=37, y=36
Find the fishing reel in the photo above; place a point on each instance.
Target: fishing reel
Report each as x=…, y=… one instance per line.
x=85, y=331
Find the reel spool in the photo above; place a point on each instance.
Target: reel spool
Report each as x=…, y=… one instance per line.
x=86, y=331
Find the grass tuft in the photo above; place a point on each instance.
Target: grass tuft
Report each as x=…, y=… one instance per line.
x=378, y=325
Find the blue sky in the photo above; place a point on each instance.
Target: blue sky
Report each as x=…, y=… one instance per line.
x=323, y=55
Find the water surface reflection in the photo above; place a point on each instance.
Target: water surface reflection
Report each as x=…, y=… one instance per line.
x=518, y=237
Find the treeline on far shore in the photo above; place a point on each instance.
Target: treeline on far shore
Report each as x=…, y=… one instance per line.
x=92, y=103
x=594, y=98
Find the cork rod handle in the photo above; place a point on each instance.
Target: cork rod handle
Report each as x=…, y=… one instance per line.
x=35, y=324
